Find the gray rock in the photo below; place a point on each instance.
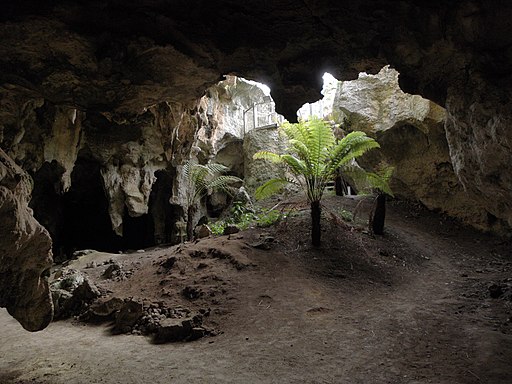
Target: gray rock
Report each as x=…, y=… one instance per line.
x=106, y=308
x=171, y=330
x=129, y=314
x=265, y=243
x=112, y=270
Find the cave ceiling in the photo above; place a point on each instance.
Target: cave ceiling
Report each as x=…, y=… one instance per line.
x=120, y=57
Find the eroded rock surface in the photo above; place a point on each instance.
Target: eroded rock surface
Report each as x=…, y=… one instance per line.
x=411, y=131
x=25, y=251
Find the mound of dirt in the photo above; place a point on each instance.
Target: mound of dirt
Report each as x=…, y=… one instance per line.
x=173, y=293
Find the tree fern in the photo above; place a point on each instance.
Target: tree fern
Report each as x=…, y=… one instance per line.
x=203, y=179
x=312, y=158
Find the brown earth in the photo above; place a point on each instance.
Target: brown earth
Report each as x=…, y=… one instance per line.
x=413, y=306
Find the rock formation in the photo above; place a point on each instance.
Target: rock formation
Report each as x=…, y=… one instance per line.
x=411, y=131
x=25, y=251
x=74, y=66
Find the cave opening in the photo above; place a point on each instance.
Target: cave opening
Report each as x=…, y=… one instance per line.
x=48, y=205
x=162, y=214
x=87, y=223
x=138, y=232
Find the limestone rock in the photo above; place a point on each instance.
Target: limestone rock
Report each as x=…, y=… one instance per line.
x=411, y=132
x=106, y=308
x=25, y=251
x=171, y=330
x=71, y=293
x=256, y=171
x=480, y=143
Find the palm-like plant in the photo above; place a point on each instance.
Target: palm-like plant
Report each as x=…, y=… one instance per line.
x=314, y=155
x=379, y=182
x=201, y=180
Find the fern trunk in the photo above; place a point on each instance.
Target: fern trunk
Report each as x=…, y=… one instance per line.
x=190, y=222
x=379, y=214
x=338, y=186
x=316, y=212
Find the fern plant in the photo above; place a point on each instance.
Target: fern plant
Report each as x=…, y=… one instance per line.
x=202, y=180
x=379, y=180
x=312, y=159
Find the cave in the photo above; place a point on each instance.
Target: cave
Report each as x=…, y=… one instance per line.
x=86, y=221
x=103, y=102
x=160, y=209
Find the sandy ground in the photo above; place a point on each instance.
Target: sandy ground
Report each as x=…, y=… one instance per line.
x=412, y=306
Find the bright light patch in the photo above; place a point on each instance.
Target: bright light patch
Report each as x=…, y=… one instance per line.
x=324, y=106
x=263, y=87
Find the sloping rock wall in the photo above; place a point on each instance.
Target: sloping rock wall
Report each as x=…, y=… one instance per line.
x=25, y=251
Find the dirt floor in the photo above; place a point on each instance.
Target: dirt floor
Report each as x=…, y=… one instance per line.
x=413, y=306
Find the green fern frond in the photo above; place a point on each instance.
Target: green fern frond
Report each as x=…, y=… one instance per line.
x=225, y=183
x=270, y=188
x=269, y=156
x=204, y=178
x=216, y=168
x=320, y=140
x=351, y=146
x=379, y=180
x=301, y=149
x=297, y=166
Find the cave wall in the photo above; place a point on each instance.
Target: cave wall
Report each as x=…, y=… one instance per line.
x=413, y=137
x=25, y=251
x=66, y=62
x=98, y=173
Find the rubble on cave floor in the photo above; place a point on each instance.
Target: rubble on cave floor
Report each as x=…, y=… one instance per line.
x=170, y=293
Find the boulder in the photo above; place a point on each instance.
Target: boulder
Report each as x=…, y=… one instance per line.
x=106, y=308
x=129, y=314
x=72, y=293
x=231, y=230
x=258, y=172
x=171, y=330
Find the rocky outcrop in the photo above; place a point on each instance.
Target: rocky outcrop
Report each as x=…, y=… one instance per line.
x=232, y=108
x=25, y=251
x=480, y=144
x=411, y=132
x=375, y=103
x=101, y=173
x=258, y=172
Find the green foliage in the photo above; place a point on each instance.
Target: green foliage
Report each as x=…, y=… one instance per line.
x=269, y=218
x=217, y=228
x=204, y=179
x=246, y=219
x=372, y=181
x=346, y=215
x=270, y=188
x=379, y=180
x=313, y=157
